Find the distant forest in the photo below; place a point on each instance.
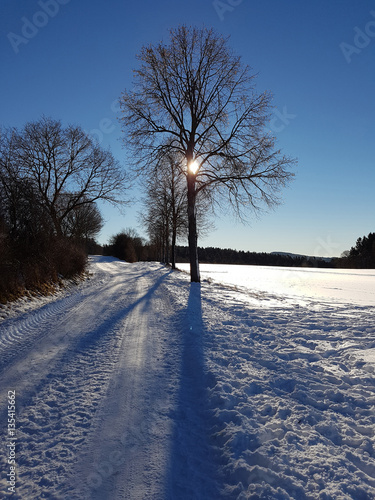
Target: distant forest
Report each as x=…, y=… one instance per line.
x=361, y=256
x=128, y=246
x=212, y=255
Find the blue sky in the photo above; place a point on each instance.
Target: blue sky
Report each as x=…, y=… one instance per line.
x=71, y=59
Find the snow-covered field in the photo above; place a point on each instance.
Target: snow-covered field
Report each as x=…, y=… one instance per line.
x=354, y=286
x=140, y=385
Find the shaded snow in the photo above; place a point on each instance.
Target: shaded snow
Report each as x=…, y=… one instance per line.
x=140, y=385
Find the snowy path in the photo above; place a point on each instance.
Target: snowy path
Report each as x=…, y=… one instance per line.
x=90, y=377
x=139, y=385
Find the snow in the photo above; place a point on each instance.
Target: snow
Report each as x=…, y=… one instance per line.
x=256, y=383
x=338, y=285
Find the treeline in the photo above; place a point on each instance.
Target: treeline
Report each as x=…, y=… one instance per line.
x=128, y=246
x=360, y=256
x=213, y=255
x=50, y=179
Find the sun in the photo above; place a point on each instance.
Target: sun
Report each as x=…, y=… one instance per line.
x=194, y=166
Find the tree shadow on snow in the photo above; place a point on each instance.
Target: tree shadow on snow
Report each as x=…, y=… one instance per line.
x=191, y=471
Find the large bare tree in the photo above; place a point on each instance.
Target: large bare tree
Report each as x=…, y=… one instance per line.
x=66, y=169
x=194, y=96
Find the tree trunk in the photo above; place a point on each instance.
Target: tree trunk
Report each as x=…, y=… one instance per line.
x=193, y=238
x=173, y=248
x=174, y=219
x=166, y=248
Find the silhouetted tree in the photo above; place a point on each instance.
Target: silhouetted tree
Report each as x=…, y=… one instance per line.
x=166, y=207
x=83, y=223
x=50, y=179
x=65, y=166
x=194, y=97
x=363, y=254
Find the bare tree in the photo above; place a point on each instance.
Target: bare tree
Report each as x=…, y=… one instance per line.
x=196, y=93
x=50, y=178
x=157, y=219
x=20, y=203
x=165, y=214
x=83, y=222
x=165, y=207
x=66, y=168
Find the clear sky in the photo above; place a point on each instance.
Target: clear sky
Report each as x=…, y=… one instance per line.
x=71, y=59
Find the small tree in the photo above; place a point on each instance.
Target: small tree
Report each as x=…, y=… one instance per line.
x=194, y=97
x=83, y=223
x=165, y=207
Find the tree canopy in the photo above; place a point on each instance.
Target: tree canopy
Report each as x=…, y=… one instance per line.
x=63, y=166
x=195, y=97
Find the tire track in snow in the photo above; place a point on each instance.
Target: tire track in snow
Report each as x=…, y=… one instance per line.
x=60, y=376
x=18, y=334
x=132, y=425
x=56, y=421
x=59, y=323
x=68, y=364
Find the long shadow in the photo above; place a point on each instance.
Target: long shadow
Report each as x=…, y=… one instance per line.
x=191, y=470
x=90, y=339
x=93, y=336
x=47, y=311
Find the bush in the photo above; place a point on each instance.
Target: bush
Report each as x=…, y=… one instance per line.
x=126, y=246
x=37, y=266
x=68, y=258
x=9, y=275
